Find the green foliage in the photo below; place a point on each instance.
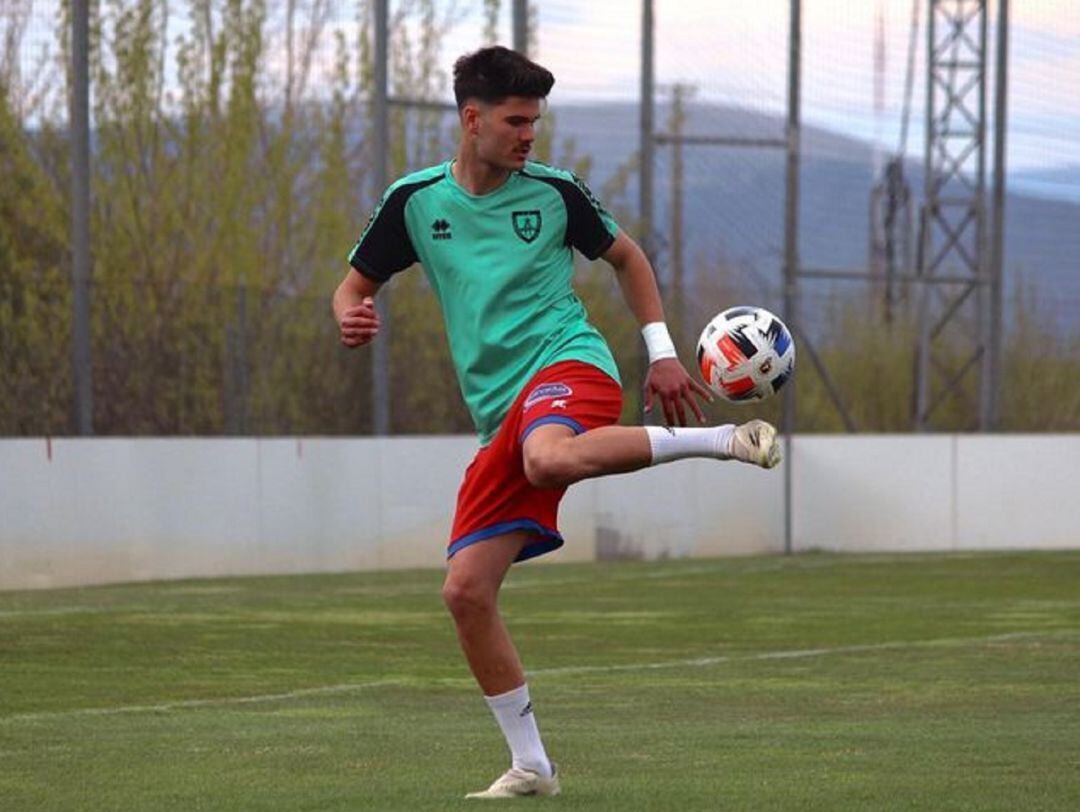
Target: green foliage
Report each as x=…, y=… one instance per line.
x=871, y=365
x=34, y=295
x=424, y=386
x=222, y=211
x=1040, y=371
x=598, y=290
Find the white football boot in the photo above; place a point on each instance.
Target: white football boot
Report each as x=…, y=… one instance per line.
x=517, y=783
x=755, y=443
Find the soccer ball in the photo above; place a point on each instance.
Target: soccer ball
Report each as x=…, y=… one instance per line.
x=745, y=353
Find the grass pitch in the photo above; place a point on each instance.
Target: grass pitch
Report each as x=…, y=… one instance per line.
x=942, y=682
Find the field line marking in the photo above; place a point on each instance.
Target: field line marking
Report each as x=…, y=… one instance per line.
x=202, y=703
x=697, y=662
x=798, y=654
x=60, y=610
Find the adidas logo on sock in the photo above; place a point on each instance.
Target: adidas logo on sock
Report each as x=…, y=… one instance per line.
x=526, y=710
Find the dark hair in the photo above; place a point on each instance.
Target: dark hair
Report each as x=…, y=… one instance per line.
x=491, y=74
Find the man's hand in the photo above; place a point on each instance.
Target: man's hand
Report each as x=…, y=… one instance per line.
x=359, y=323
x=670, y=380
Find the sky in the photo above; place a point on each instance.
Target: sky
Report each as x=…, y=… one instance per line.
x=735, y=51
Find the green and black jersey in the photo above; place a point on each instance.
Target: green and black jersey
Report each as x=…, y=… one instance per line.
x=501, y=265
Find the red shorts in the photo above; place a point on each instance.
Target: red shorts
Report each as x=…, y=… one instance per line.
x=495, y=496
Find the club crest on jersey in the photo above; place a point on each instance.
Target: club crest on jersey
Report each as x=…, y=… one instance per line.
x=527, y=224
x=547, y=391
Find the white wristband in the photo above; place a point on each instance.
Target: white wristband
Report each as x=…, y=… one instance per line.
x=658, y=341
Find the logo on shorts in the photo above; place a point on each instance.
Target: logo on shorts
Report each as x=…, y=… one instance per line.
x=547, y=391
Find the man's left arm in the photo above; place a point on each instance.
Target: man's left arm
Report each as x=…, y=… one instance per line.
x=666, y=377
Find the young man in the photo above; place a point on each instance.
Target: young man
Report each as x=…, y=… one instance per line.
x=495, y=233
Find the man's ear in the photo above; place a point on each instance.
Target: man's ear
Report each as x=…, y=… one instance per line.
x=470, y=118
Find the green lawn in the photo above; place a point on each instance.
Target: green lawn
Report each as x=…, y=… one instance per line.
x=818, y=682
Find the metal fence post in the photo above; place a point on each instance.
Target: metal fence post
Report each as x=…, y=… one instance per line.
x=81, y=357
x=520, y=13
x=380, y=349
x=791, y=248
x=992, y=396
x=647, y=147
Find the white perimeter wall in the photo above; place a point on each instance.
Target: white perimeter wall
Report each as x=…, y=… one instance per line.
x=85, y=511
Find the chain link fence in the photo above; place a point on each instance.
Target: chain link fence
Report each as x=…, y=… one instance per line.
x=232, y=171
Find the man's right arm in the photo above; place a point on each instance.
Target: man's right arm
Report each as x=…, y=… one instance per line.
x=354, y=308
x=384, y=249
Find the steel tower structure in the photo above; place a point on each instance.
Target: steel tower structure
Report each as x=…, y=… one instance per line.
x=954, y=277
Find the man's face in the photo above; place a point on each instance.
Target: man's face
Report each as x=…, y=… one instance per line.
x=503, y=133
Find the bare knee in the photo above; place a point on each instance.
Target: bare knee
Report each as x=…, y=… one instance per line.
x=468, y=598
x=548, y=465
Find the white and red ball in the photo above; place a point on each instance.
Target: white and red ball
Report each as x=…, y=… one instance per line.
x=746, y=353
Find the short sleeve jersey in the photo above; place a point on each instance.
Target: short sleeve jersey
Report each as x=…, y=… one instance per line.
x=501, y=265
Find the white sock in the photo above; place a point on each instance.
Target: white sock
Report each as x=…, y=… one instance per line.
x=513, y=711
x=675, y=444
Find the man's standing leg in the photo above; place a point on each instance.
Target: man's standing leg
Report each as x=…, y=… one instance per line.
x=471, y=592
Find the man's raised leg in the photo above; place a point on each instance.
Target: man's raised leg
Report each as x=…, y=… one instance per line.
x=556, y=457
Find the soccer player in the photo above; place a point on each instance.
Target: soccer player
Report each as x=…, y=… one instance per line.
x=495, y=234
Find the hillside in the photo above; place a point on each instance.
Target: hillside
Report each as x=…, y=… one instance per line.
x=733, y=204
